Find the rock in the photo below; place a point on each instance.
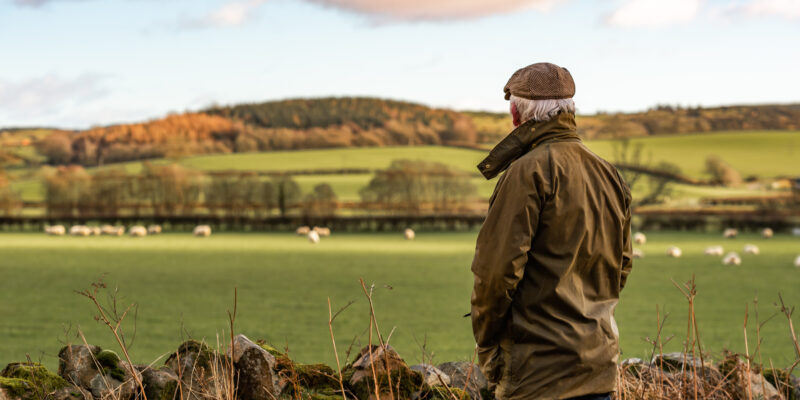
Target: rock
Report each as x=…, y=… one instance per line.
x=635, y=366
x=748, y=381
x=432, y=375
x=678, y=362
x=37, y=374
x=786, y=384
x=195, y=365
x=76, y=364
x=71, y=393
x=159, y=383
x=458, y=371
x=116, y=380
x=255, y=368
x=388, y=365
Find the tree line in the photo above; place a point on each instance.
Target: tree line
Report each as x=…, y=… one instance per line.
x=405, y=186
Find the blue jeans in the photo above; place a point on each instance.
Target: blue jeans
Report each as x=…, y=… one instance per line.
x=593, y=397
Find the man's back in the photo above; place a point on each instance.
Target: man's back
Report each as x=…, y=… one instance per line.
x=553, y=246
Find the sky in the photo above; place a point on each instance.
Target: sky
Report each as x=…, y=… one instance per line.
x=81, y=63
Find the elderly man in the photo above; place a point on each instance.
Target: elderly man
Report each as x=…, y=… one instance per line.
x=553, y=254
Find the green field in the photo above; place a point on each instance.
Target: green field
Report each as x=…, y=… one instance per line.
x=184, y=285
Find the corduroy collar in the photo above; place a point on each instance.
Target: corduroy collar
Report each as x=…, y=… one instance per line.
x=524, y=138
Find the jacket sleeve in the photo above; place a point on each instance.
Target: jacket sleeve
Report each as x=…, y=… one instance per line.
x=502, y=251
x=627, y=250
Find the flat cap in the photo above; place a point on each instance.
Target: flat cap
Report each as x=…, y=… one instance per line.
x=541, y=81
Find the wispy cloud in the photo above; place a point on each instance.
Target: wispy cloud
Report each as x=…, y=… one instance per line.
x=411, y=10
x=655, y=13
x=48, y=94
x=231, y=14
x=789, y=9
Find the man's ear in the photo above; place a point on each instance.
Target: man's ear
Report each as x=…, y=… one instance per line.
x=515, y=114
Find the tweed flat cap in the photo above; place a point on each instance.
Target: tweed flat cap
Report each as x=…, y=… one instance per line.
x=541, y=81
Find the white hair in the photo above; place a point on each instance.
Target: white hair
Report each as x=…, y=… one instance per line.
x=541, y=110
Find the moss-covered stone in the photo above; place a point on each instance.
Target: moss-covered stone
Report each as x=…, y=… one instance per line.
x=19, y=388
x=316, y=376
x=404, y=384
x=109, y=360
x=169, y=391
x=783, y=381
x=441, y=393
x=44, y=380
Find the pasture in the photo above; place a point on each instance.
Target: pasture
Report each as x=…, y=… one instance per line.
x=184, y=285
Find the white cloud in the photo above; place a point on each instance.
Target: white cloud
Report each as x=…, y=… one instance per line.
x=655, y=13
x=785, y=8
x=438, y=9
x=48, y=94
x=231, y=14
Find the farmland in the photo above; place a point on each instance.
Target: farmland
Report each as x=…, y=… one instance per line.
x=183, y=287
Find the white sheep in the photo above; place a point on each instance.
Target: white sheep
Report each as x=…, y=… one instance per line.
x=95, y=230
x=797, y=262
x=138, y=231
x=732, y=259
x=108, y=230
x=714, y=251
x=323, y=232
x=639, y=238
x=202, y=231
x=638, y=253
x=302, y=231
x=795, y=231
x=767, y=233
x=751, y=249
x=80, y=230
x=409, y=234
x=55, y=230
x=154, y=229
x=730, y=233
x=674, y=252
x=118, y=231
x=313, y=237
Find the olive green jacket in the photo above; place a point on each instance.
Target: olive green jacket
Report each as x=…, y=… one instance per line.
x=550, y=262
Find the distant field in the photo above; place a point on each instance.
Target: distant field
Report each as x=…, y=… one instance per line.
x=184, y=286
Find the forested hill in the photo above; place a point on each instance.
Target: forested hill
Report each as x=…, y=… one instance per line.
x=362, y=122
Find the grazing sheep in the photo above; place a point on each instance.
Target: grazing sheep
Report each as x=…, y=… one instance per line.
x=730, y=233
x=751, y=249
x=302, y=231
x=108, y=230
x=767, y=233
x=138, y=231
x=409, y=234
x=732, y=259
x=639, y=238
x=95, y=230
x=638, y=253
x=118, y=231
x=202, y=231
x=797, y=262
x=714, y=251
x=795, y=231
x=154, y=229
x=313, y=237
x=323, y=232
x=55, y=230
x=674, y=252
x=80, y=230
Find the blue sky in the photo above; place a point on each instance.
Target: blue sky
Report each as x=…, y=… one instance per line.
x=78, y=63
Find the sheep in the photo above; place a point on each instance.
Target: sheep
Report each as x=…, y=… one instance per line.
x=797, y=262
x=409, y=234
x=108, y=230
x=202, y=231
x=795, y=231
x=118, y=231
x=732, y=259
x=154, y=229
x=730, y=233
x=80, y=230
x=313, y=237
x=302, y=231
x=638, y=253
x=714, y=251
x=323, y=232
x=95, y=231
x=55, y=230
x=767, y=233
x=674, y=252
x=639, y=238
x=138, y=231
x=751, y=249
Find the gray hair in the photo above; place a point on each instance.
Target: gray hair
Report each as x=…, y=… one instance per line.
x=541, y=110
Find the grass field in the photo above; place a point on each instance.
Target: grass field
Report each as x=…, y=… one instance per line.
x=184, y=286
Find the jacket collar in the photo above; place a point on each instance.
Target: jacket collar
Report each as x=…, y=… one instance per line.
x=525, y=137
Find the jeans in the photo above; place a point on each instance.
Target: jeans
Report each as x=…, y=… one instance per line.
x=606, y=396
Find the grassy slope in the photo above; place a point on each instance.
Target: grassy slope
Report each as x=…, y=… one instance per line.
x=184, y=284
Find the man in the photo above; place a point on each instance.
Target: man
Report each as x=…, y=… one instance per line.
x=553, y=254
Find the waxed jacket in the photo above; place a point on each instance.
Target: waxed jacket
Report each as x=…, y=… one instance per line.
x=550, y=261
